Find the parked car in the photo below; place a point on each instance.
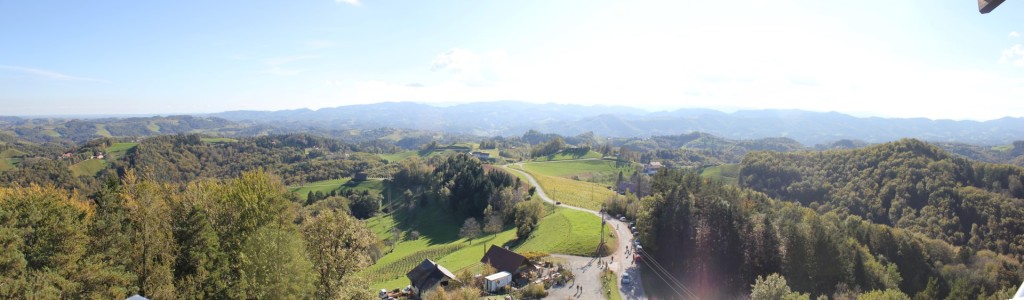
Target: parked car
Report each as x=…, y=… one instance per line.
x=622, y=219
x=625, y=279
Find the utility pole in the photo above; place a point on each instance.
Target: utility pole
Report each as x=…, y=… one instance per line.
x=601, y=214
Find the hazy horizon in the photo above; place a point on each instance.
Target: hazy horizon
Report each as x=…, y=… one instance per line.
x=645, y=110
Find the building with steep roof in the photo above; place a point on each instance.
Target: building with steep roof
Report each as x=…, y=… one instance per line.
x=505, y=260
x=428, y=275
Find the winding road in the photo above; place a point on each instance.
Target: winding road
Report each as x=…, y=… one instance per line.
x=588, y=269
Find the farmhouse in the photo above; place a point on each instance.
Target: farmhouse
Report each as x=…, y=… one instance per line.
x=652, y=167
x=481, y=155
x=505, y=260
x=429, y=275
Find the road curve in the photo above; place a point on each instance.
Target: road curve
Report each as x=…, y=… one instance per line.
x=619, y=261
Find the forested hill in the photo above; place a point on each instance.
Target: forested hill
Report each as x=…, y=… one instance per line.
x=513, y=118
x=698, y=148
x=716, y=239
x=908, y=184
x=1004, y=154
x=41, y=130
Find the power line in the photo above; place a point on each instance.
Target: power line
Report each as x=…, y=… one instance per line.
x=666, y=281
x=658, y=272
x=667, y=273
x=649, y=259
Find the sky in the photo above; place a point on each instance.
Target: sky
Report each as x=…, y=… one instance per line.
x=894, y=58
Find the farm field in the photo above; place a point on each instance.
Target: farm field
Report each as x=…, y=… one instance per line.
x=442, y=152
x=10, y=153
x=101, y=129
x=567, y=156
x=400, y=156
x=563, y=231
x=218, y=140
x=438, y=240
x=7, y=159
x=88, y=167
x=574, y=192
x=343, y=184
x=604, y=171
x=118, y=150
x=728, y=174
x=568, y=231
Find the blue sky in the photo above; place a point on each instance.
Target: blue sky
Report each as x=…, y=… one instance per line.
x=895, y=58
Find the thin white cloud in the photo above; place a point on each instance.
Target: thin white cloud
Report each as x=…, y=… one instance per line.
x=1013, y=56
x=1014, y=34
x=277, y=65
x=47, y=74
x=350, y=2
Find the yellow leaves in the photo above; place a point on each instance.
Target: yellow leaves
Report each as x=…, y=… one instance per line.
x=50, y=193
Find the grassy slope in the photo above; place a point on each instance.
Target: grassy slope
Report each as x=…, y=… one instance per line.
x=400, y=156
x=325, y=186
x=371, y=185
x=343, y=184
x=6, y=159
x=725, y=173
x=582, y=169
x=568, y=231
x=575, y=167
x=101, y=129
x=50, y=132
x=9, y=153
x=218, y=140
x=565, y=231
x=118, y=150
x=564, y=156
x=573, y=192
x=438, y=241
x=89, y=167
x=441, y=152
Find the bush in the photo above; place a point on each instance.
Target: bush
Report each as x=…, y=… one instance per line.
x=413, y=235
x=534, y=291
x=527, y=214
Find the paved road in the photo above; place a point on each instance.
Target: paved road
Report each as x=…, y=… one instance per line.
x=587, y=266
x=588, y=276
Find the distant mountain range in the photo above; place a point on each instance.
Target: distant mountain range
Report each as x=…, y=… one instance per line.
x=509, y=118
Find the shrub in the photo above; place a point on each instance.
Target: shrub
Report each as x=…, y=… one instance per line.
x=534, y=291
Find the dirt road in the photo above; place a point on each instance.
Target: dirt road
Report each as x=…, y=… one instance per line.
x=588, y=274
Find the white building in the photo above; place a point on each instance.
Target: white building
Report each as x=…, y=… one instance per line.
x=497, y=281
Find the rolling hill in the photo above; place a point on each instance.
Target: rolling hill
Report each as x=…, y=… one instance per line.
x=513, y=118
